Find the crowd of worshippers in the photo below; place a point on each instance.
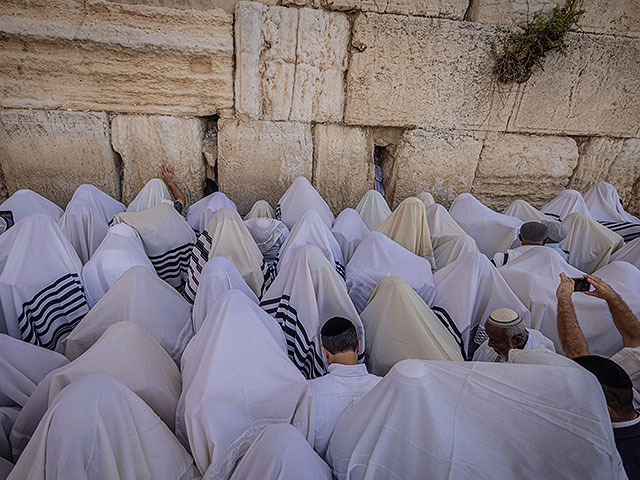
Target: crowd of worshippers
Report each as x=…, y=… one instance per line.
x=170, y=341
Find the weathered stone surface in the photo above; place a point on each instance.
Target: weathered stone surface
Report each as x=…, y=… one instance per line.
x=53, y=152
x=612, y=160
x=533, y=168
x=600, y=16
x=258, y=160
x=145, y=142
x=290, y=63
x=437, y=161
x=226, y=5
x=108, y=56
x=453, y=9
x=343, y=167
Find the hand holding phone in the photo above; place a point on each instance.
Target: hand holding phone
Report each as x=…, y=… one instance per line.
x=581, y=284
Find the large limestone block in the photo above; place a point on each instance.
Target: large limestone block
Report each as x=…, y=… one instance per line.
x=290, y=63
x=145, y=142
x=108, y=56
x=442, y=162
x=411, y=71
x=53, y=152
x=534, y=168
x=343, y=168
x=612, y=160
x=453, y=9
x=226, y=5
x=258, y=160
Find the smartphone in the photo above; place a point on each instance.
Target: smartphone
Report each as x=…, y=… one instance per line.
x=6, y=220
x=581, y=285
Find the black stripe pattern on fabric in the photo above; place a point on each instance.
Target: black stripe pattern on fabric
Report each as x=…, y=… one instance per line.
x=197, y=259
x=278, y=212
x=627, y=230
x=451, y=326
x=53, y=312
x=173, y=263
x=554, y=216
x=301, y=350
x=269, y=272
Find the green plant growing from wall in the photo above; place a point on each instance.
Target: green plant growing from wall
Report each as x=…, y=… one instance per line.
x=521, y=51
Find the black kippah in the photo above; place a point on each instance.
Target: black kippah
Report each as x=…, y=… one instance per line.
x=608, y=372
x=335, y=326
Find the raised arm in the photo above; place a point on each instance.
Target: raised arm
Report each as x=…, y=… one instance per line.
x=176, y=193
x=569, y=332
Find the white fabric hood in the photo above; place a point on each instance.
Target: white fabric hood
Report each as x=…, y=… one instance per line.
x=260, y=209
x=152, y=194
x=26, y=202
x=567, y=202
x=200, y=213
x=604, y=203
x=408, y=226
x=349, y=230
x=300, y=197
x=373, y=209
x=630, y=253
x=449, y=240
x=527, y=213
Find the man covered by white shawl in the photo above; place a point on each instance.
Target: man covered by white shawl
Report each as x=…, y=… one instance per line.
x=526, y=212
x=606, y=207
x=567, y=202
x=449, y=240
x=200, y=213
x=98, y=428
x=462, y=425
x=378, y=256
x=27, y=202
x=531, y=235
x=306, y=293
x=556, y=233
x=260, y=209
x=349, y=230
x=426, y=198
x=225, y=235
x=154, y=193
x=269, y=234
x=373, y=209
x=139, y=296
x=167, y=240
x=630, y=253
x=237, y=380
x=300, y=197
x=400, y=326
x=41, y=295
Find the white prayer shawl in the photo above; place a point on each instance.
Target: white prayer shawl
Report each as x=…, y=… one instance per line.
x=237, y=380
x=622, y=272
x=469, y=289
x=152, y=194
x=218, y=276
x=8, y=416
x=604, y=203
x=502, y=258
x=629, y=359
x=540, y=356
x=260, y=209
x=525, y=212
x=589, y=244
x=491, y=230
x=281, y=453
x=269, y=235
x=630, y=253
x=534, y=278
x=306, y=293
x=125, y=351
x=41, y=296
x=349, y=230
x=26, y=202
x=140, y=297
x=477, y=420
x=120, y=250
x=200, y=213
x=311, y=230
x=408, y=226
x=97, y=428
x=167, y=239
x=567, y=202
x=426, y=198
x=5, y=468
x=300, y=197
x=378, y=256
x=535, y=340
x=400, y=326
x=373, y=209
x=449, y=240
x=225, y=236
x=22, y=367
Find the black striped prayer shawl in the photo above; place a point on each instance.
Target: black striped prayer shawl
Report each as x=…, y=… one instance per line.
x=627, y=230
x=172, y=264
x=197, y=259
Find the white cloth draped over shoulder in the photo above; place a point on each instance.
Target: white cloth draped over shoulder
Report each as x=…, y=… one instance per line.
x=630, y=252
x=589, y=244
x=449, y=240
x=219, y=275
x=140, y=297
x=477, y=420
x=470, y=288
x=281, y=453
x=166, y=237
x=300, y=197
x=373, y=209
x=400, y=326
x=408, y=226
x=225, y=235
x=534, y=278
x=426, y=198
x=492, y=231
x=349, y=230
x=306, y=293
x=526, y=212
x=260, y=209
x=378, y=256
x=120, y=250
x=41, y=296
x=125, y=351
x=269, y=235
x=567, y=202
x=604, y=203
x=200, y=213
x=621, y=272
x=27, y=202
x=237, y=380
x=152, y=194
x=99, y=428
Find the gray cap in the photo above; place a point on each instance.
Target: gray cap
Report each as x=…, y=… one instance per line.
x=555, y=231
x=533, y=231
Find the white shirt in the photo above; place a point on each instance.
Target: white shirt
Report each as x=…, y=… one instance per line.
x=485, y=353
x=332, y=394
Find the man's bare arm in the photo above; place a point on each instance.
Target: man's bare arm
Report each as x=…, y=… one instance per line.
x=176, y=193
x=571, y=336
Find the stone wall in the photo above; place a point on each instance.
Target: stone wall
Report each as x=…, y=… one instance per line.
x=257, y=93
